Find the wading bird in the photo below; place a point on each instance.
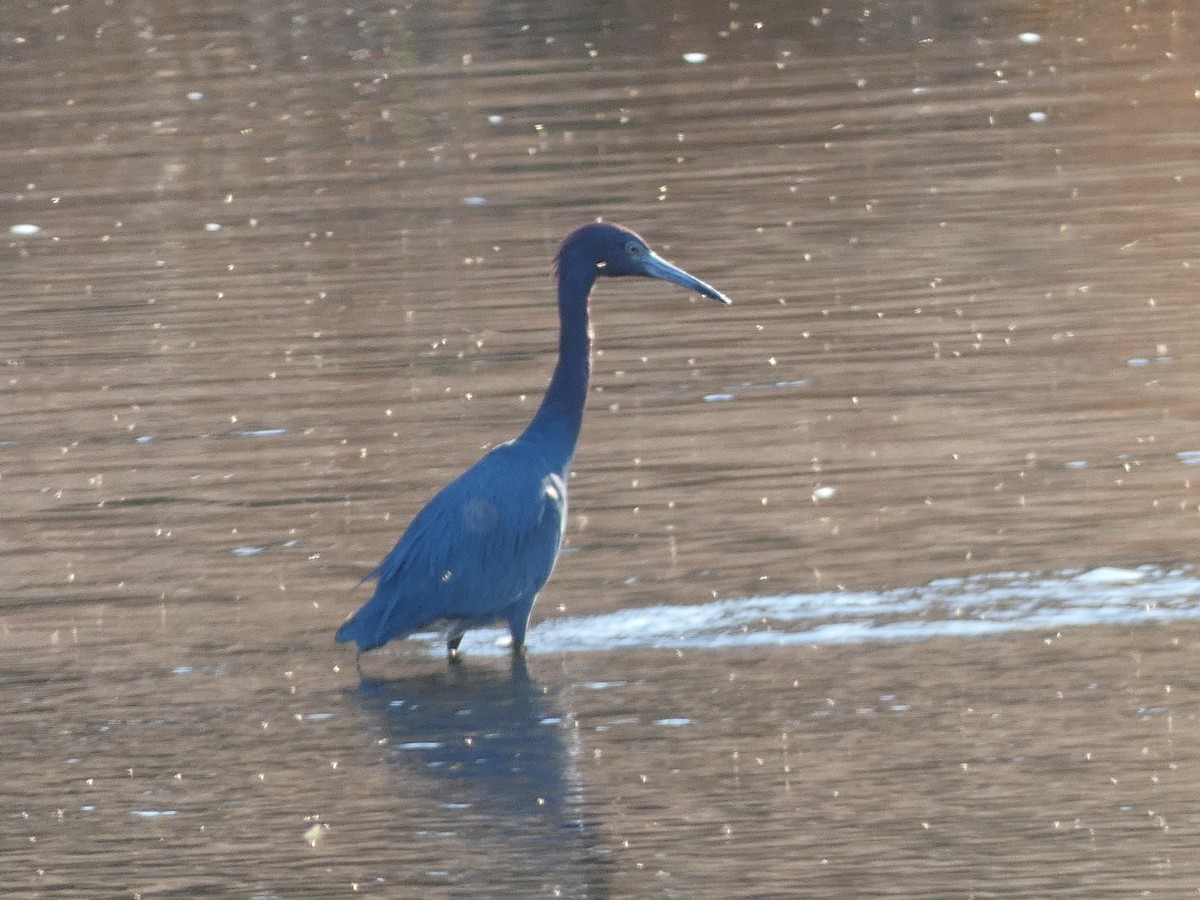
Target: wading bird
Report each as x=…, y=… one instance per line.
x=482, y=548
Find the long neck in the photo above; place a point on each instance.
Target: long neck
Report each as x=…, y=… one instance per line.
x=556, y=424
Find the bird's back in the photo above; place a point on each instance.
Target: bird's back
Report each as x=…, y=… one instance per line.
x=477, y=552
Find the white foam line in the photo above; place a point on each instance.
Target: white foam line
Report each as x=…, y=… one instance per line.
x=968, y=607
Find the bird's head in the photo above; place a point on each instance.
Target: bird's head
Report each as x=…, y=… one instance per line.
x=613, y=250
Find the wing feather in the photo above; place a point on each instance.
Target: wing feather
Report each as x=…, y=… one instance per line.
x=485, y=542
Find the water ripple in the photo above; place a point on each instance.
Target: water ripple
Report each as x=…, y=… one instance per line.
x=960, y=607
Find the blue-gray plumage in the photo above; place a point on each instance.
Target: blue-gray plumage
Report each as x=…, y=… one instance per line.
x=482, y=548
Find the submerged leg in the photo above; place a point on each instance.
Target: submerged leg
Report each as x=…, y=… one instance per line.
x=519, y=671
x=518, y=624
x=454, y=636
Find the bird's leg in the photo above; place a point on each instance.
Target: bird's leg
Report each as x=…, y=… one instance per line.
x=519, y=671
x=518, y=624
x=454, y=636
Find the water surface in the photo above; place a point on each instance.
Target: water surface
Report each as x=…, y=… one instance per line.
x=878, y=582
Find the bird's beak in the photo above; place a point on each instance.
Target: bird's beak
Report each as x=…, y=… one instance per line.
x=657, y=267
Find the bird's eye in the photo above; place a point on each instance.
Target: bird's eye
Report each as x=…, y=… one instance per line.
x=633, y=248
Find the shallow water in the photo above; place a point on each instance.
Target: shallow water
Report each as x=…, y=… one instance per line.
x=878, y=582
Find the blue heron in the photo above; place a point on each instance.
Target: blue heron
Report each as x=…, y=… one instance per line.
x=482, y=548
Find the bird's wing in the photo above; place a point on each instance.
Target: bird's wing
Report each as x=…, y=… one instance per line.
x=487, y=540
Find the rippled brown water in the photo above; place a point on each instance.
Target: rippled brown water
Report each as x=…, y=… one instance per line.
x=290, y=274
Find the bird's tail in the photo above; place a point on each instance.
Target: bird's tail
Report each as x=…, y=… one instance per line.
x=352, y=630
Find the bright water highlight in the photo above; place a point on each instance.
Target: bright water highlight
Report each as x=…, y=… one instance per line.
x=952, y=607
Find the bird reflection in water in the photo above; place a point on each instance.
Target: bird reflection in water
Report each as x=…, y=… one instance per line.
x=504, y=753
